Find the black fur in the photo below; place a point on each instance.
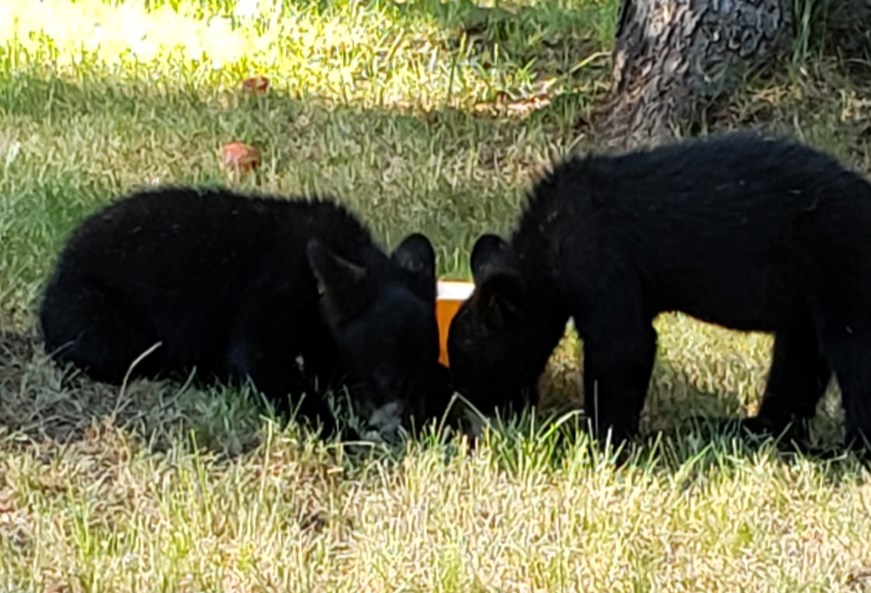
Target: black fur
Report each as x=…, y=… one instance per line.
x=741, y=231
x=229, y=284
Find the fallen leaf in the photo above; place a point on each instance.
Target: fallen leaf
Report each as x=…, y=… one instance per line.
x=255, y=84
x=240, y=157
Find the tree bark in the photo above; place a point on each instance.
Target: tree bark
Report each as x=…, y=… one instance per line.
x=673, y=57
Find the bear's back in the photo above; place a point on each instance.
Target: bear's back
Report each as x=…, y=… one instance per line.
x=189, y=262
x=739, y=174
x=205, y=237
x=727, y=229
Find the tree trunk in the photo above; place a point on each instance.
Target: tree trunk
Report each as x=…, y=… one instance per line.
x=673, y=57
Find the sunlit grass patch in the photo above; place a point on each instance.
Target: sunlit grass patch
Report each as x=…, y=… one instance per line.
x=371, y=54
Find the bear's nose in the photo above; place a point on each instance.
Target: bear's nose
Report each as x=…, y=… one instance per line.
x=387, y=418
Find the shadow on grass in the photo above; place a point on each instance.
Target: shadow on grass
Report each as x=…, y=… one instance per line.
x=40, y=402
x=547, y=20
x=449, y=173
x=539, y=32
x=40, y=405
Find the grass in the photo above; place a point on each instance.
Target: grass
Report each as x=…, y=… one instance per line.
x=422, y=116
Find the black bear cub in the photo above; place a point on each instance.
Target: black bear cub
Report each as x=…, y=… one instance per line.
x=738, y=230
x=237, y=288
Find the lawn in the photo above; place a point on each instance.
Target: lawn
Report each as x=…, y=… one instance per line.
x=420, y=116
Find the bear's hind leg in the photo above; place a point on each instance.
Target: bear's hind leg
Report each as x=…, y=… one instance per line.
x=263, y=348
x=797, y=380
x=81, y=324
x=850, y=357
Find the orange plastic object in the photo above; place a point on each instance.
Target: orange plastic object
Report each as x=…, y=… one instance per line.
x=449, y=296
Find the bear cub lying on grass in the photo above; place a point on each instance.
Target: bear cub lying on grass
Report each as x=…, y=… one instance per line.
x=238, y=287
x=737, y=230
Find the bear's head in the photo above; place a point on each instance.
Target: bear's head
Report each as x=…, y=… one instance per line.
x=382, y=318
x=497, y=342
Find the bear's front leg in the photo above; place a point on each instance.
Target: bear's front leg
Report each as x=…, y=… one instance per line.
x=618, y=361
x=266, y=339
x=274, y=373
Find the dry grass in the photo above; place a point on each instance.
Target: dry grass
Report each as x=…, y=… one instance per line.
x=422, y=116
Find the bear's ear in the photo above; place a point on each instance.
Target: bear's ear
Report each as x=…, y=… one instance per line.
x=490, y=252
x=500, y=290
x=416, y=257
x=343, y=285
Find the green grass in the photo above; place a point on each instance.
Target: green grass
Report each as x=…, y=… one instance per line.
x=421, y=116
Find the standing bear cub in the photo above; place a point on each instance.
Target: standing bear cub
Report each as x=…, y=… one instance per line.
x=749, y=233
x=238, y=287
